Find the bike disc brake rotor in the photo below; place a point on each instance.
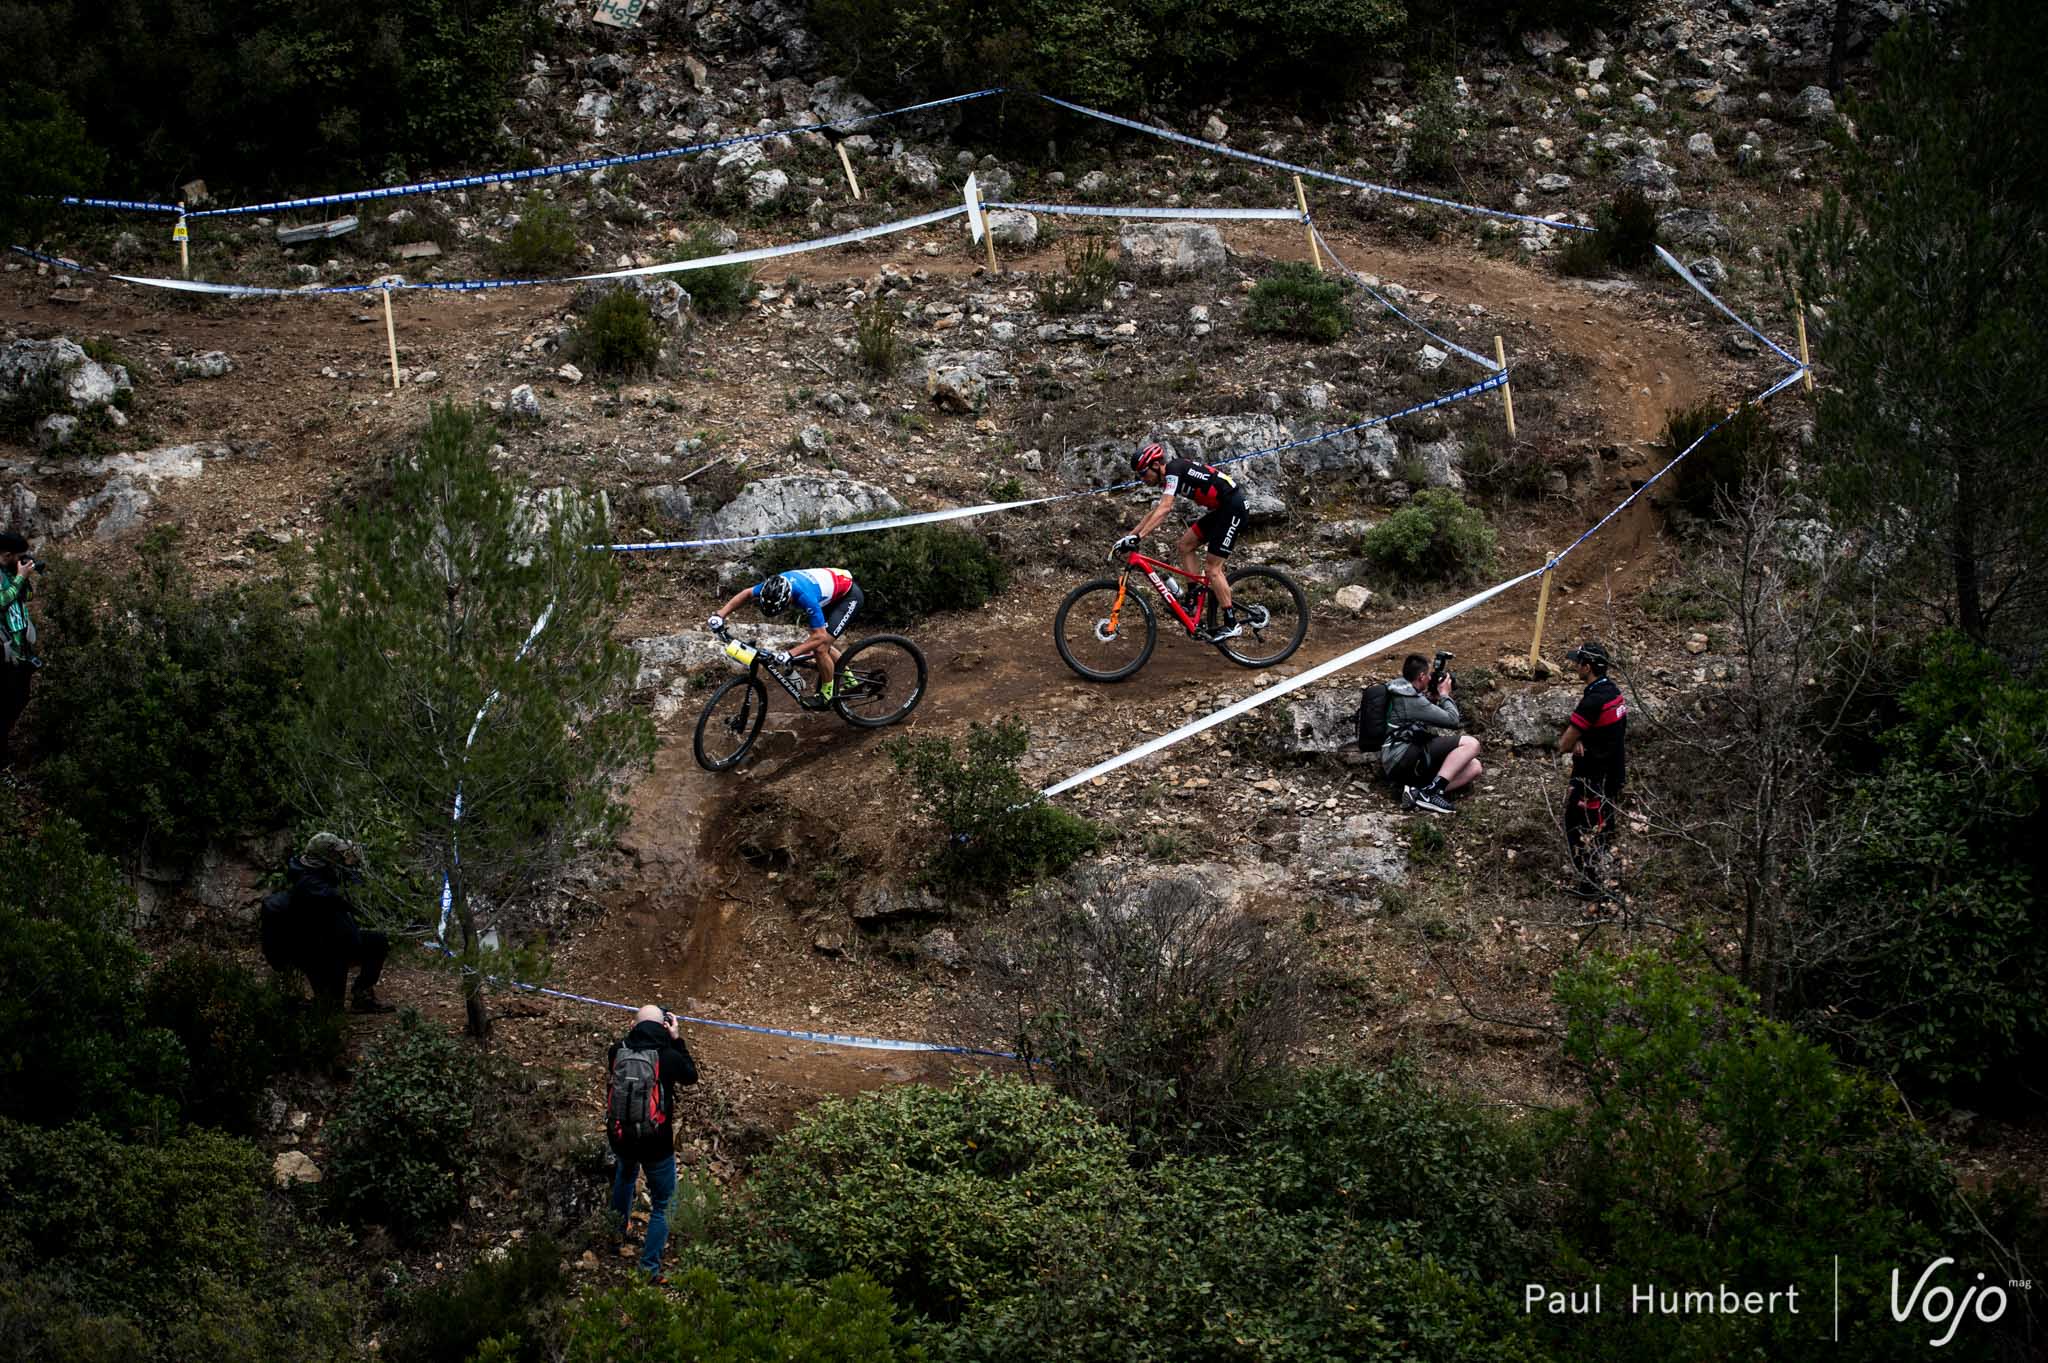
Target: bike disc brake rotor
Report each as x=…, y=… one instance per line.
x=1105, y=632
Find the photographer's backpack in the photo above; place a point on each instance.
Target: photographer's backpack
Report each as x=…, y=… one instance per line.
x=1372, y=719
x=633, y=1109
x=277, y=930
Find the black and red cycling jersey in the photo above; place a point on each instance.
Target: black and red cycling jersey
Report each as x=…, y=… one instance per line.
x=1203, y=484
x=1602, y=722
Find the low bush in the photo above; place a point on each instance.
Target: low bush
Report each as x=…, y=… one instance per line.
x=1624, y=235
x=515, y=1299
x=618, y=338
x=874, y=337
x=718, y=290
x=1516, y=473
x=238, y=1031
x=1742, y=449
x=542, y=242
x=45, y=155
x=1300, y=301
x=998, y=834
x=904, y=574
x=697, y=1319
x=177, y=1242
x=64, y=914
x=404, y=1141
x=1433, y=145
x=177, y=707
x=1086, y=280
x=1435, y=537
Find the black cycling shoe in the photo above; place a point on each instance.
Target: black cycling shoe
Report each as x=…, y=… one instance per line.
x=814, y=701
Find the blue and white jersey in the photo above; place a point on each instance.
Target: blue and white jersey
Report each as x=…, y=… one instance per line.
x=813, y=589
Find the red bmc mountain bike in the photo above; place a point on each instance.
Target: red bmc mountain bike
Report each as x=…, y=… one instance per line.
x=1100, y=639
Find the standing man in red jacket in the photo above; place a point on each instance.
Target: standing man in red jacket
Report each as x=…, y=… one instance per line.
x=1596, y=737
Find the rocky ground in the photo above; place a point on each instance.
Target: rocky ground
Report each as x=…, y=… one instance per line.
x=241, y=421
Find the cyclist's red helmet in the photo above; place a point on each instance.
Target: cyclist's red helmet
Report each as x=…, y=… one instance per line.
x=1152, y=456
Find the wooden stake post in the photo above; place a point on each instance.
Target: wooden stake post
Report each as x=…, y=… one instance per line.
x=1507, y=399
x=846, y=163
x=1301, y=201
x=391, y=339
x=1542, y=609
x=180, y=234
x=988, y=233
x=1805, y=360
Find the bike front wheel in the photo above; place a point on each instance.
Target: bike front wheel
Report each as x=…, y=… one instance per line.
x=1096, y=634
x=1274, y=614
x=730, y=723
x=881, y=680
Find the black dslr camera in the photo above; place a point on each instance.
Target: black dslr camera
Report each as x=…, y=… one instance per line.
x=1437, y=669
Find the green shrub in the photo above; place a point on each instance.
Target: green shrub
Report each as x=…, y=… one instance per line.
x=1300, y=301
x=998, y=834
x=1941, y=845
x=34, y=399
x=178, y=1241
x=404, y=1141
x=905, y=574
x=719, y=290
x=1624, y=234
x=618, y=337
x=1433, y=146
x=514, y=1298
x=329, y=91
x=75, y=1040
x=874, y=336
x=846, y=1319
x=170, y=729
x=1516, y=473
x=1585, y=255
x=542, y=242
x=1714, y=1145
x=1743, y=449
x=1435, y=537
x=238, y=1031
x=1086, y=279
x=45, y=155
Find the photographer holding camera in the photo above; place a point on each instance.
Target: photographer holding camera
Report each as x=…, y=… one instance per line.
x=18, y=658
x=1430, y=766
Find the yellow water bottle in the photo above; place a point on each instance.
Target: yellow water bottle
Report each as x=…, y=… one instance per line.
x=740, y=653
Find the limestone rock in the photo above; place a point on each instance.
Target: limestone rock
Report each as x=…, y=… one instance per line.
x=293, y=1167
x=1170, y=250
x=522, y=402
x=770, y=505
x=1532, y=719
x=1013, y=227
x=213, y=364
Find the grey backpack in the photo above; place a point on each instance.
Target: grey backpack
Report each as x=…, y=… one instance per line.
x=633, y=1111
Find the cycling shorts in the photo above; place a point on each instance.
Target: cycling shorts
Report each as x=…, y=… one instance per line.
x=1219, y=527
x=839, y=614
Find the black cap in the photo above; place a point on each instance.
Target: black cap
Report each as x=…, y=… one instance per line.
x=1592, y=652
x=11, y=542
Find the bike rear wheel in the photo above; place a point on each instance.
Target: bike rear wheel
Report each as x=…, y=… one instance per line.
x=731, y=721
x=881, y=679
x=1274, y=613
x=1090, y=644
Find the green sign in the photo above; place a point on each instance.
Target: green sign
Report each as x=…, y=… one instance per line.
x=618, y=13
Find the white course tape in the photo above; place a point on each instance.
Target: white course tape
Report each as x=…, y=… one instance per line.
x=1706, y=293
x=1188, y=214
x=770, y=252
x=952, y=513
x=1295, y=683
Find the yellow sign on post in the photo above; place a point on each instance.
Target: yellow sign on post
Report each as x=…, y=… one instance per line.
x=181, y=235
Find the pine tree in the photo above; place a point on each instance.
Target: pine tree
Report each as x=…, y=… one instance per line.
x=1929, y=273
x=464, y=648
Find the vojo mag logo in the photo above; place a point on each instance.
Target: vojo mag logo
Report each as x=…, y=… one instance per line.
x=1939, y=1307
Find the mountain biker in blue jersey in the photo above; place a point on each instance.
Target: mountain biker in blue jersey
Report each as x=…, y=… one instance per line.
x=827, y=597
x=1224, y=514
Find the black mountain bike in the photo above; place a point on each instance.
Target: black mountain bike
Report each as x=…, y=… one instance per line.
x=881, y=679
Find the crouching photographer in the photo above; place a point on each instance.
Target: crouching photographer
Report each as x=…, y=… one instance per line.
x=1430, y=765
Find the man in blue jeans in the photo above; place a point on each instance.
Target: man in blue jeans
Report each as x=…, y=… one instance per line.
x=645, y=1067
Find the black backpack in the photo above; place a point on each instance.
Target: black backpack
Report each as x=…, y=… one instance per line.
x=1372, y=718
x=633, y=1110
x=278, y=930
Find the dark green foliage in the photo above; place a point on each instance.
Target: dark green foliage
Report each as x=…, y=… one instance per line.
x=75, y=1040
x=251, y=94
x=31, y=401
x=176, y=1242
x=846, y=1319
x=1119, y=53
x=542, y=242
x=177, y=708
x=1436, y=537
x=1742, y=450
x=1945, y=840
x=618, y=338
x=717, y=290
x=874, y=337
x=1714, y=1145
x=44, y=155
x=1301, y=301
x=515, y=1297
x=1089, y=277
x=1927, y=278
x=1625, y=235
x=1505, y=473
x=1433, y=146
x=238, y=1030
x=404, y=1142
x=998, y=834
x=905, y=574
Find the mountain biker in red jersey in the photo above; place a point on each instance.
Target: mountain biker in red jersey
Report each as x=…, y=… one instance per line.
x=1223, y=516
